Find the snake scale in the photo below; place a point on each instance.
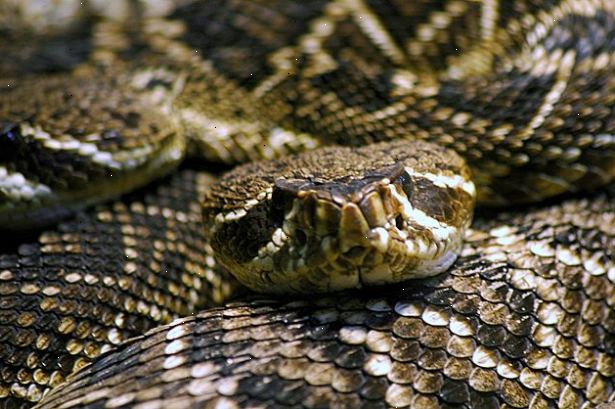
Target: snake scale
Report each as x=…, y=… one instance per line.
x=128, y=302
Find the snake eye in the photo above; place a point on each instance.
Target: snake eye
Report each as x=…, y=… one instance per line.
x=9, y=141
x=8, y=131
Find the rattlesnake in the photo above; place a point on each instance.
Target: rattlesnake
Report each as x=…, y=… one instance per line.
x=99, y=99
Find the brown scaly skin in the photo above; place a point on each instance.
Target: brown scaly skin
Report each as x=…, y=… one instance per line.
x=524, y=319
x=522, y=91
x=92, y=161
x=110, y=274
x=529, y=104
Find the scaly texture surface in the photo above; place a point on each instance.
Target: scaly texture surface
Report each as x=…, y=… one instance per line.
x=98, y=98
x=110, y=274
x=522, y=90
x=524, y=319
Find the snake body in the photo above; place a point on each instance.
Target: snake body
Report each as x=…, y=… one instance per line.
x=523, y=319
x=98, y=100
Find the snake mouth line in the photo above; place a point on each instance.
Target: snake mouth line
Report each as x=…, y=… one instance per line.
x=359, y=232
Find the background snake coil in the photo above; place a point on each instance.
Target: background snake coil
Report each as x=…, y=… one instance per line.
x=137, y=98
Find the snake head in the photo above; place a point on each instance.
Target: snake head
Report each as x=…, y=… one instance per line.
x=55, y=158
x=340, y=218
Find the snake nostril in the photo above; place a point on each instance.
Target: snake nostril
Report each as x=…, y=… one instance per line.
x=399, y=222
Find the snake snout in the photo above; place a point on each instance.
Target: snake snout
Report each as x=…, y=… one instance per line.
x=365, y=230
x=388, y=239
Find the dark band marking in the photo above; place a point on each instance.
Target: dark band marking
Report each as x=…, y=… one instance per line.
x=240, y=46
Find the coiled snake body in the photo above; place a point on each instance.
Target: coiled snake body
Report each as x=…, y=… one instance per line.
x=99, y=99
